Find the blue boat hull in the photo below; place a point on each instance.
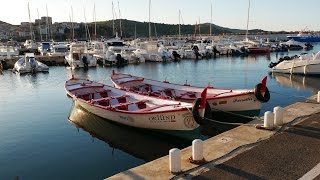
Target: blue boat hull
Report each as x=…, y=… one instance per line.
x=304, y=39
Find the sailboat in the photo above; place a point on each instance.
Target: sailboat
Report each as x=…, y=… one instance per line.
x=253, y=47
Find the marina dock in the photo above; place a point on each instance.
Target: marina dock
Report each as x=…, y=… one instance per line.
x=289, y=151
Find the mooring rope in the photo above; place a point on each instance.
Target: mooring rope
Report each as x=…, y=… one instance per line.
x=304, y=97
x=229, y=123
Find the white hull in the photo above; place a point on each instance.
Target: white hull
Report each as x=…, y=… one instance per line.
x=160, y=121
x=158, y=114
x=303, y=64
x=304, y=68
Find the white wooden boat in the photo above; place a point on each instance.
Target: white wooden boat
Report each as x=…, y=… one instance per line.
x=143, y=144
x=307, y=64
x=133, y=109
x=240, y=101
x=29, y=64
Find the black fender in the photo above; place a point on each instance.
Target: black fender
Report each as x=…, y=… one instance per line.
x=195, y=112
x=257, y=93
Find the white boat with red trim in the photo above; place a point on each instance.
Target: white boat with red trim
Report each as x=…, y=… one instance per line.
x=135, y=110
x=240, y=101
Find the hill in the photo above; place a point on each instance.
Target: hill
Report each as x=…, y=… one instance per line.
x=104, y=28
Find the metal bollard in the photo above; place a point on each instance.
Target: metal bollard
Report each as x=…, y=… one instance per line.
x=268, y=119
x=175, y=160
x=318, y=100
x=278, y=115
x=197, y=150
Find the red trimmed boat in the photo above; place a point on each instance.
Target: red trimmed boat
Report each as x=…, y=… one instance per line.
x=241, y=101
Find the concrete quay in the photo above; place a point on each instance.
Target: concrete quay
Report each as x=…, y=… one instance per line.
x=246, y=152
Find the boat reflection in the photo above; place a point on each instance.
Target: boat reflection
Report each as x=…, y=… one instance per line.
x=297, y=81
x=142, y=144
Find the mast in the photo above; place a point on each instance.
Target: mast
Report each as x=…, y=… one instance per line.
x=30, y=26
x=48, y=26
x=211, y=20
x=149, y=21
x=86, y=25
x=120, y=20
x=113, y=31
x=199, y=28
x=95, y=21
x=179, y=24
x=135, y=31
x=39, y=25
x=72, y=24
x=248, y=22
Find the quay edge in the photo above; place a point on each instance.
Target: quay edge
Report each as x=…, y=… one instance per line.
x=223, y=145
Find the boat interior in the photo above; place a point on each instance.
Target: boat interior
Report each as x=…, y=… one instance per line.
x=105, y=98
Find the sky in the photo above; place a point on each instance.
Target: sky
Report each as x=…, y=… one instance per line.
x=270, y=15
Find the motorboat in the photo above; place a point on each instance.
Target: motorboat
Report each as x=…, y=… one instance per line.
x=239, y=101
x=304, y=64
x=136, y=110
x=78, y=57
x=29, y=64
x=59, y=50
x=44, y=48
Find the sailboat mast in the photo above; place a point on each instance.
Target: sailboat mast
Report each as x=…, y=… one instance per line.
x=39, y=25
x=30, y=26
x=149, y=20
x=95, y=21
x=248, y=21
x=120, y=20
x=113, y=33
x=179, y=24
x=48, y=26
x=72, y=24
x=211, y=20
x=135, y=31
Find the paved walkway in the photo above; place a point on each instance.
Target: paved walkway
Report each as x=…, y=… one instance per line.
x=291, y=154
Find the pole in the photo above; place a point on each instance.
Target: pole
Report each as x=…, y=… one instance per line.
x=30, y=26
x=179, y=24
x=149, y=21
x=39, y=25
x=248, y=21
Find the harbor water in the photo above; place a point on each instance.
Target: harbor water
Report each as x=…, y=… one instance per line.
x=42, y=136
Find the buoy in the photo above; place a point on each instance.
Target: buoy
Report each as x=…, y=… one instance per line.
x=175, y=160
x=197, y=150
x=268, y=120
x=278, y=115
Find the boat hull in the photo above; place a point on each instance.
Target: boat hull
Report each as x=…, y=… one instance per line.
x=170, y=121
x=302, y=67
x=304, y=39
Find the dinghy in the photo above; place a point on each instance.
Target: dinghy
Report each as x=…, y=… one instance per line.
x=240, y=101
x=136, y=110
x=29, y=64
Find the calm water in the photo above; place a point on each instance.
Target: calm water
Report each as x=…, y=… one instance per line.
x=38, y=140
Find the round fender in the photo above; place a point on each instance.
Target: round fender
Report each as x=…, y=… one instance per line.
x=195, y=112
x=259, y=96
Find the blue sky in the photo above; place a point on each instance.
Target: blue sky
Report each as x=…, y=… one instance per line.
x=290, y=15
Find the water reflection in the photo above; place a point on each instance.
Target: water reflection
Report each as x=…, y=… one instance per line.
x=142, y=144
x=297, y=81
